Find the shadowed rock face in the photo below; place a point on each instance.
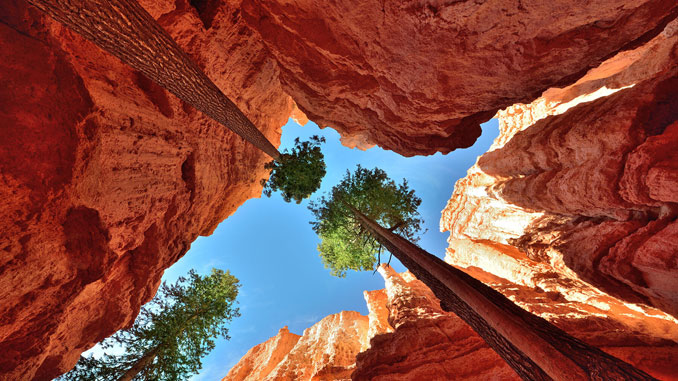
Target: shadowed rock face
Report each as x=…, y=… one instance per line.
x=106, y=179
x=418, y=77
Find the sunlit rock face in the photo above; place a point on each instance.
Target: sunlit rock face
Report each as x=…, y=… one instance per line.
x=411, y=338
x=106, y=179
x=419, y=77
x=405, y=336
x=576, y=200
x=325, y=351
x=259, y=361
x=427, y=343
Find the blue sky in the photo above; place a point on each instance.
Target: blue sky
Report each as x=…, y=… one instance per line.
x=269, y=245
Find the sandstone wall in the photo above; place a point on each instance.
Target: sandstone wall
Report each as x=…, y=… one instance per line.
x=582, y=183
x=411, y=338
x=106, y=179
x=418, y=77
x=325, y=351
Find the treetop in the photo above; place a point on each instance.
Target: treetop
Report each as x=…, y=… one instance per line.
x=297, y=173
x=345, y=243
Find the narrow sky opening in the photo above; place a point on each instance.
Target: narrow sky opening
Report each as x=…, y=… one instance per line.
x=269, y=245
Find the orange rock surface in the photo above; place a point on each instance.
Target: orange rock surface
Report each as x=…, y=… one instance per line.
x=427, y=343
x=326, y=351
x=106, y=179
x=411, y=338
x=259, y=361
x=582, y=181
x=419, y=77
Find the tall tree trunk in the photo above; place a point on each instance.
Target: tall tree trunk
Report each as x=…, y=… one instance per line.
x=533, y=347
x=123, y=28
x=149, y=356
x=138, y=366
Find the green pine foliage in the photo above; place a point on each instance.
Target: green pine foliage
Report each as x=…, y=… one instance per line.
x=297, y=174
x=171, y=334
x=345, y=243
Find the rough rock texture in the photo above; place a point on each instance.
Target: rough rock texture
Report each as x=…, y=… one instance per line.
x=106, y=179
x=259, y=361
x=427, y=343
x=419, y=77
x=407, y=336
x=583, y=181
x=326, y=351
x=411, y=338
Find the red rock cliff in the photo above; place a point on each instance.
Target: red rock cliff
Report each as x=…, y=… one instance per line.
x=411, y=338
x=419, y=77
x=583, y=182
x=106, y=179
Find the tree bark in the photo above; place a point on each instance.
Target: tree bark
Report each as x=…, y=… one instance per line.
x=533, y=347
x=124, y=29
x=138, y=366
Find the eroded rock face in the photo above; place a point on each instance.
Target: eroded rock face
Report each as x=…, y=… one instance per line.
x=106, y=179
x=419, y=77
x=259, y=361
x=326, y=351
x=411, y=338
x=582, y=180
x=427, y=343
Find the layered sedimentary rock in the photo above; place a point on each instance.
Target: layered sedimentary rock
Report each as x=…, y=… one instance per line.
x=427, y=343
x=259, y=361
x=106, y=179
x=412, y=338
x=325, y=351
x=419, y=77
x=582, y=183
x=407, y=336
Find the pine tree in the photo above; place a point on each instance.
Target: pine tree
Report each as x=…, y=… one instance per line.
x=297, y=173
x=171, y=334
x=346, y=244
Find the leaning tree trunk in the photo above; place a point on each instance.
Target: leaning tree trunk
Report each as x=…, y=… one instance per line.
x=138, y=366
x=533, y=347
x=124, y=29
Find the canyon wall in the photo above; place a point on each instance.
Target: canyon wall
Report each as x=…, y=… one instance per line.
x=571, y=214
x=418, y=77
x=410, y=337
x=106, y=179
x=582, y=183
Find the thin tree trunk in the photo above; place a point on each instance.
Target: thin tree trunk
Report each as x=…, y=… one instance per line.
x=138, y=366
x=124, y=29
x=533, y=347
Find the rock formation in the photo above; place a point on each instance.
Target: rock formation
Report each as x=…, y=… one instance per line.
x=582, y=183
x=106, y=179
x=259, y=361
x=570, y=214
x=411, y=338
x=326, y=351
x=419, y=77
